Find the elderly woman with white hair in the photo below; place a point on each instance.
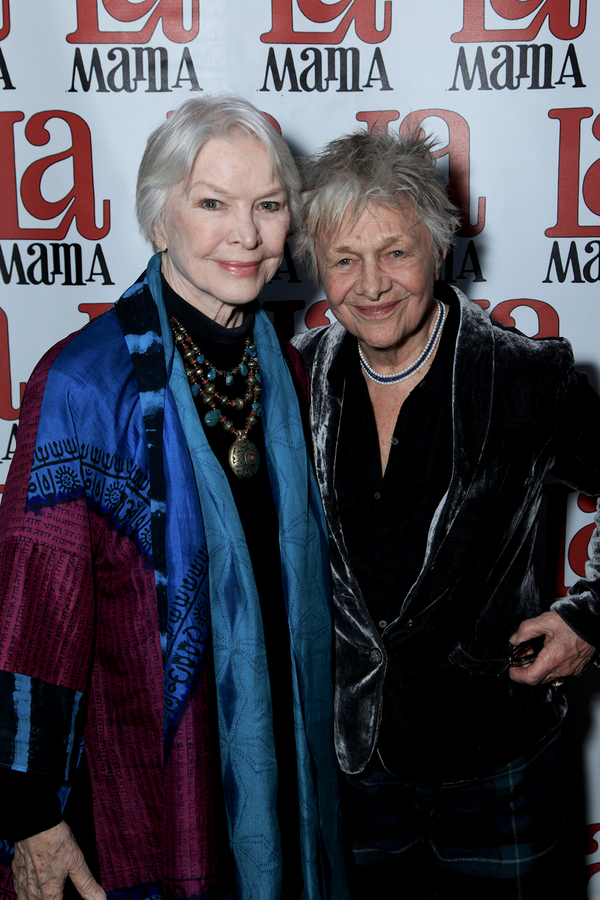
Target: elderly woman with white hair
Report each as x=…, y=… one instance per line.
x=163, y=563
x=434, y=429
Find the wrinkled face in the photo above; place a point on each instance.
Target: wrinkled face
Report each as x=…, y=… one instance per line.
x=222, y=236
x=378, y=276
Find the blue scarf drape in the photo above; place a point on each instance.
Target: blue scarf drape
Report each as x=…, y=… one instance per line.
x=245, y=716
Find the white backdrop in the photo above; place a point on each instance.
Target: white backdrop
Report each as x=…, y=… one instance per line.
x=510, y=87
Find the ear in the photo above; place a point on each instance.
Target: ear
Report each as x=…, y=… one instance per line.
x=159, y=238
x=437, y=269
x=159, y=233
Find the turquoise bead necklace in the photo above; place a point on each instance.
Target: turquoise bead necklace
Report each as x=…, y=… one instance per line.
x=244, y=458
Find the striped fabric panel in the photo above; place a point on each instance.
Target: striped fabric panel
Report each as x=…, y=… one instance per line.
x=26, y=706
x=141, y=329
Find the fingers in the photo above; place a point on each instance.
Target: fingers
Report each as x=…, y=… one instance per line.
x=534, y=673
x=564, y=653
x=529, y=629
x=43, y=862
x=85, y=883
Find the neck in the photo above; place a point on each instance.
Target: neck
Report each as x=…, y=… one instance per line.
x=226, y=315
x=201, y=325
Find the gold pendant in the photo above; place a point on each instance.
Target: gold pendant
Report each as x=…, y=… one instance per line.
x=244, y=458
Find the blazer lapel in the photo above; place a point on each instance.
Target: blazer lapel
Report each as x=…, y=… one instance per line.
x=472, y=394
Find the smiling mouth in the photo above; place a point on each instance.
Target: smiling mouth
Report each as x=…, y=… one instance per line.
x=376, y=312
x=240, y=268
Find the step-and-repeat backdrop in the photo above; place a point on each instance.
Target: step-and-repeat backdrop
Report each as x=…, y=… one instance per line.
x=509, y=87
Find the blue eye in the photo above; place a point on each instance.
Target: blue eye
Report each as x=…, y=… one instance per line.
x=397, y=254
x=270, y=205
x=210, y=204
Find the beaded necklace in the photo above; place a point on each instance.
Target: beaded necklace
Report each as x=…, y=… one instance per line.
x=244, y=458
x=418, y=363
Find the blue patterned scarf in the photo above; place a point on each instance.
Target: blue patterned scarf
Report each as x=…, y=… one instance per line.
x=243, y=695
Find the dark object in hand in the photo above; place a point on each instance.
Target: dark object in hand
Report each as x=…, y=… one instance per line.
x=524, y=653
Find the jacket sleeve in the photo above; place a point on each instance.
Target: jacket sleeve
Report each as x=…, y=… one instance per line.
x=30, y=804
x=46, y=611
x=577, y=464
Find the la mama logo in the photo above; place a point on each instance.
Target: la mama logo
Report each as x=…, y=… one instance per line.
x=538, y=62
x=578, y=199
x=325, y=64
x=139, y=67
x=22, y=196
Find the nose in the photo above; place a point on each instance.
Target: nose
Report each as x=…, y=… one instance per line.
x=245, y=231
x=373, y=282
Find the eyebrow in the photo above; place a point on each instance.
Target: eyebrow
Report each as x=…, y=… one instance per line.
x=219, y=190
x=337, y=250
x=343, y=248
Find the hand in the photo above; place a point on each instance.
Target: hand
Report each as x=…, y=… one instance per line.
x=564, y=652
x=43, y=862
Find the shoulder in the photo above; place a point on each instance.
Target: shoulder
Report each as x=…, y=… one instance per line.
x=512, y=350
x=307, y=342
x=91, y=355
x=322, y=342
x=83, y=376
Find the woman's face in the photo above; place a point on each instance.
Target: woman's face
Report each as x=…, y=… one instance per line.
x=378, y=276
x=222, y=237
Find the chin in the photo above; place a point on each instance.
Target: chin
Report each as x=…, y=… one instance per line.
x=379, y=342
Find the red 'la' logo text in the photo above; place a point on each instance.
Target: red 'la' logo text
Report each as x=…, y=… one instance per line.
x=171, y=12
x=7, y=410
x=5, y=20
x=567, y=224
x=361, y=12
x=592, y=847
x=558, y=13
x=77, y=205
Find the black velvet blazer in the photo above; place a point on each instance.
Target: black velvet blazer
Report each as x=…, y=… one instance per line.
x=520, y=412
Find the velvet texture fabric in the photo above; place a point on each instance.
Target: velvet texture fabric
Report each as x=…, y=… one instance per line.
x=125, y=576
x=520, y=412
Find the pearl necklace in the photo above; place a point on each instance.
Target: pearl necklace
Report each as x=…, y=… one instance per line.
x=418, y=363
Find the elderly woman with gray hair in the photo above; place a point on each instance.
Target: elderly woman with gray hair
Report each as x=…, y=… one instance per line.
x=163, y=563
x=434, y=428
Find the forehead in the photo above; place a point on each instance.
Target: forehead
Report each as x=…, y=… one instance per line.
x=376, y=226
x=240, y=157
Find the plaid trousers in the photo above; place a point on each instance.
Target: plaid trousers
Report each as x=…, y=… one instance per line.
x=495, y=838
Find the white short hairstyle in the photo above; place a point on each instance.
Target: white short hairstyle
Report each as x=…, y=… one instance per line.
x=172, y=149
x=382, y=170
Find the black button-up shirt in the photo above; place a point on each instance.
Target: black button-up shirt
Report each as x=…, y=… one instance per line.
x=386, y=518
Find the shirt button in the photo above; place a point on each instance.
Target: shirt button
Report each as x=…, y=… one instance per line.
x=394, y=442
x=377, y=495
x=410, y=623
x=383, y=624
x=375, y=655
